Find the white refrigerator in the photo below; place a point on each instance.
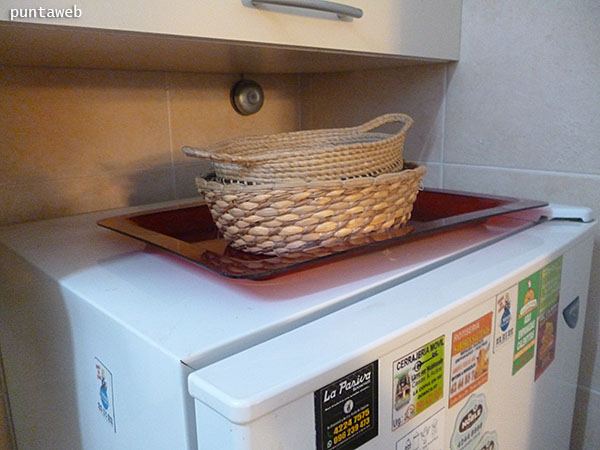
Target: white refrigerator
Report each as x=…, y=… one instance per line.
x=465, y=338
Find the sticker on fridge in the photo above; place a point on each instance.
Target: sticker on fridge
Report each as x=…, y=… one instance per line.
x=418, y=381
x=548, y=316
x=105, y=399
x=470, y=358
x=489, y=441
x=526, y=326
x=469, y=423
x=427, y=436
x=506, y=303
x=346, y=410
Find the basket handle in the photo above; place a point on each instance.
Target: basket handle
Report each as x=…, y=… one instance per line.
x=210, y=154
x=385, y=119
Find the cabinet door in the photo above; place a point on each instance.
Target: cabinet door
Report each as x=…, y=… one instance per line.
x=411, y=28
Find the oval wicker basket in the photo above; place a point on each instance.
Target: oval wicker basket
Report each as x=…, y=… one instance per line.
x=287, y=217
x=328, y=154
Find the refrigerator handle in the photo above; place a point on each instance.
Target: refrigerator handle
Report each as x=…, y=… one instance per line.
x=571, y=313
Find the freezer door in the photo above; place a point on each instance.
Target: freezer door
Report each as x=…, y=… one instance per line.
x=474, y=355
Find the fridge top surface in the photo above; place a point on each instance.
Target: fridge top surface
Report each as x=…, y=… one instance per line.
x=198, y=317
x=274, y=376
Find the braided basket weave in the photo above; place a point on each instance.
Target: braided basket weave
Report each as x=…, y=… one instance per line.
x=328, y=154
x=287, y=217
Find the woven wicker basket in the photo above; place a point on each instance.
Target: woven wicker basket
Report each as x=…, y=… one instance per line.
x=329, y=154
x=287, y=217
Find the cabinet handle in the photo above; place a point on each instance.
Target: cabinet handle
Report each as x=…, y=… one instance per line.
x=319, y=5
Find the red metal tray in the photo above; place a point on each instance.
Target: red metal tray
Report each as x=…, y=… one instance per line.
x=189, y=231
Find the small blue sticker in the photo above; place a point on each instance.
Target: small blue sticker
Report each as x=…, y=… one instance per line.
x=105, y=403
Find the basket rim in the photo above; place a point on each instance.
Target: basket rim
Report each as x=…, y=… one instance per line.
x=218, y=152
x=275, y=155
x=409, y=171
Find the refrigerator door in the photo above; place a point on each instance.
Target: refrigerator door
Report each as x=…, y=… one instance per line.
x=99, y=332
x=475, y=354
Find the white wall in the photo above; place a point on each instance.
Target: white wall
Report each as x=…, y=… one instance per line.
x=523, y=118
x=518, y=115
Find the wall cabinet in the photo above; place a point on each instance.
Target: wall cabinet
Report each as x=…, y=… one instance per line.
x=389, y=30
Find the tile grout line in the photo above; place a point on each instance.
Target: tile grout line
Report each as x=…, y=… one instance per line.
x=300, y=80
x=305, y=119
x=444, y=105
x=6, y=410
x=170, y=128
x=588, y=389
x=110, y=173
x=518, y=169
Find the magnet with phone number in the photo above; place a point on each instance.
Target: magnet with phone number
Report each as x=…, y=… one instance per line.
x=346, y=410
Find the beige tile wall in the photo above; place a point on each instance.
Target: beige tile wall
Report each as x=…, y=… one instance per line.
x=523, y=118
x=347, y=99
x=81, y=140
x=73, y=141
x=6, y=442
